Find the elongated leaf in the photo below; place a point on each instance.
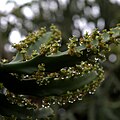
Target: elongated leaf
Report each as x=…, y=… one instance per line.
x=63, y=59
x=55, y=87
x=8, y=109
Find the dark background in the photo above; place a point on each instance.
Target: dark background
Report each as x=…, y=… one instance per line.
x=73, y=17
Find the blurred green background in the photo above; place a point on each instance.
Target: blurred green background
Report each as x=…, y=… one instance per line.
x=73, y=17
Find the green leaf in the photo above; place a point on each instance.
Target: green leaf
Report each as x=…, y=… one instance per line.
x=59, y=60
x=35, y=46
x=8, y=109
x=52, y=63
x=55, y=87
x=105, y=37
x=115, y=31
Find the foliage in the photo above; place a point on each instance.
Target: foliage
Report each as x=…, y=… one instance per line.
x=105, y=103
x=42, y=70
x=65, y=17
